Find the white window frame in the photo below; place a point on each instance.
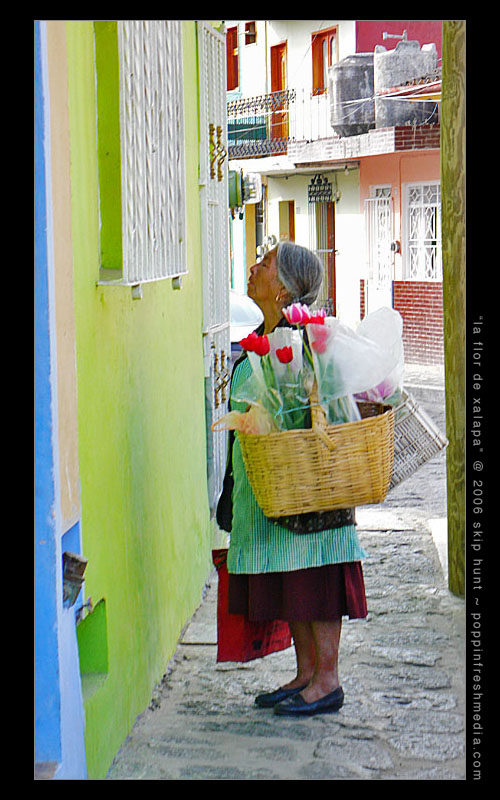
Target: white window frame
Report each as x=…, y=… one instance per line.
x=152, y=149
x=422, y=274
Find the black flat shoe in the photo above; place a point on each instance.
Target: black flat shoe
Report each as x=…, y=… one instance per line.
x=296, y=706
x=270, y=699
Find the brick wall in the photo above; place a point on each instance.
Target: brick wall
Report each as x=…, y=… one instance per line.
x=416, y=137
x=376, y=142
x=421, y=307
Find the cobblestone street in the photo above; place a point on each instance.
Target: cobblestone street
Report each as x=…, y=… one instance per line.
x=402, y=669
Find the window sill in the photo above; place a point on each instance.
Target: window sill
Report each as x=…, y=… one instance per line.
x=114, y=277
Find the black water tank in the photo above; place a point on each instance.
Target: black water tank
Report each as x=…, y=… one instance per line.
x=352, y=108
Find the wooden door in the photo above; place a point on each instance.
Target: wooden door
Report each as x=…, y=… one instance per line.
x=324, y=54
x=331, y=267
x=279, y=121
x=232, y=58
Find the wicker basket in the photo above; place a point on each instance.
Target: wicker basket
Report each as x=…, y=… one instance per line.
x=322, y=468
x=416, y=439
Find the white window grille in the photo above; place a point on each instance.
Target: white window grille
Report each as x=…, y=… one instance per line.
x=320, y=196
x=378, y=230
x=381, y=191
x=423, y=232
x=152, y=150
x=319, y=235
x=215, y=245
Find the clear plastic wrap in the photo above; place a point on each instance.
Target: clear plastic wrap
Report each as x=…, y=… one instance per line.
x=345, y=365
x=385, y=327
x=281, y=380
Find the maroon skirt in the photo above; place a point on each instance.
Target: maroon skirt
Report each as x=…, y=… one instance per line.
x=304, y=595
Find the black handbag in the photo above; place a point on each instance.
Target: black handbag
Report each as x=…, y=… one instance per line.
x=224, y=513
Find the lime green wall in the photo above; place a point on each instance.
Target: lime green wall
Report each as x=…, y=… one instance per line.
x=145, y=518
x=108, y=143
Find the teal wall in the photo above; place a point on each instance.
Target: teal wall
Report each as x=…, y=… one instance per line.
x=141, y=435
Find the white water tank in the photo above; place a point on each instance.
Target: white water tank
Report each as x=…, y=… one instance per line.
x=392, y=68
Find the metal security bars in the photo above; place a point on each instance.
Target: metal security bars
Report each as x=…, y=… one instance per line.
x=263, y=125
x=259, y=125
x=423, y=227
x=321, y=236
x=378, y=228
x=152, y=150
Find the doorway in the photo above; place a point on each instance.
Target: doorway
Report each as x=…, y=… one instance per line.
x=380, y=257
x=287, y=220
x=321, y=212
x=279, y=119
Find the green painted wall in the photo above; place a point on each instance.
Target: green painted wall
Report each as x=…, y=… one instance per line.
x=145, y=518
x=108, y=143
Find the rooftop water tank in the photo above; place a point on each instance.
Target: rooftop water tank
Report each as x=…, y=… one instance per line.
x=391, y=68
x=350, y=86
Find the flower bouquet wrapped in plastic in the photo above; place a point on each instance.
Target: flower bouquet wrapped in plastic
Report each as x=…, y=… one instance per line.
x=385, y=327
x=346, y=363
x=301, y=392
x=319, y=352
x=281, y=381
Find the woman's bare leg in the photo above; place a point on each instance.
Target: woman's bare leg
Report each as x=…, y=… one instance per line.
x=325, y=679
x=305, y=653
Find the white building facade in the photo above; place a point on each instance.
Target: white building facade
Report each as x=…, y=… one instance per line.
x=278, y=95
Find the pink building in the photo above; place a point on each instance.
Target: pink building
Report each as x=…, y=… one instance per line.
x=370, y=32
x=400, y=194
x=413, y=174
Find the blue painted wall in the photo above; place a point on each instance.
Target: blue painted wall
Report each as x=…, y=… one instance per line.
x=58, y=704
x=47, y=694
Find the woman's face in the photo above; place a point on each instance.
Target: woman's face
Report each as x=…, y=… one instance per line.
x=263, y=283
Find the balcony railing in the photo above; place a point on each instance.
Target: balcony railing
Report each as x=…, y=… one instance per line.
x=263, y=125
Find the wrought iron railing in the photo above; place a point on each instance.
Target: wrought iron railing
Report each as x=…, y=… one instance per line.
x=263, y=125
x=259, y=125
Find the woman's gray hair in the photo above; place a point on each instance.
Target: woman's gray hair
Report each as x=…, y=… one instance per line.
x=300, y=271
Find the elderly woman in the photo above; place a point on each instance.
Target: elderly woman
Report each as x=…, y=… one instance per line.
x=310, y=579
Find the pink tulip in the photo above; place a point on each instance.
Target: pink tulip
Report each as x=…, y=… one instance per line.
x=296, y=314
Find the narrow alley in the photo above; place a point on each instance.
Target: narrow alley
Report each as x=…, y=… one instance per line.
x=402, y=669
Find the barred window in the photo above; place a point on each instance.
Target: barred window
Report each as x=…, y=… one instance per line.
x=151, y=151
x=423, y=232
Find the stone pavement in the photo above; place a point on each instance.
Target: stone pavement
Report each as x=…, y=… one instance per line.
x=402, y=670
